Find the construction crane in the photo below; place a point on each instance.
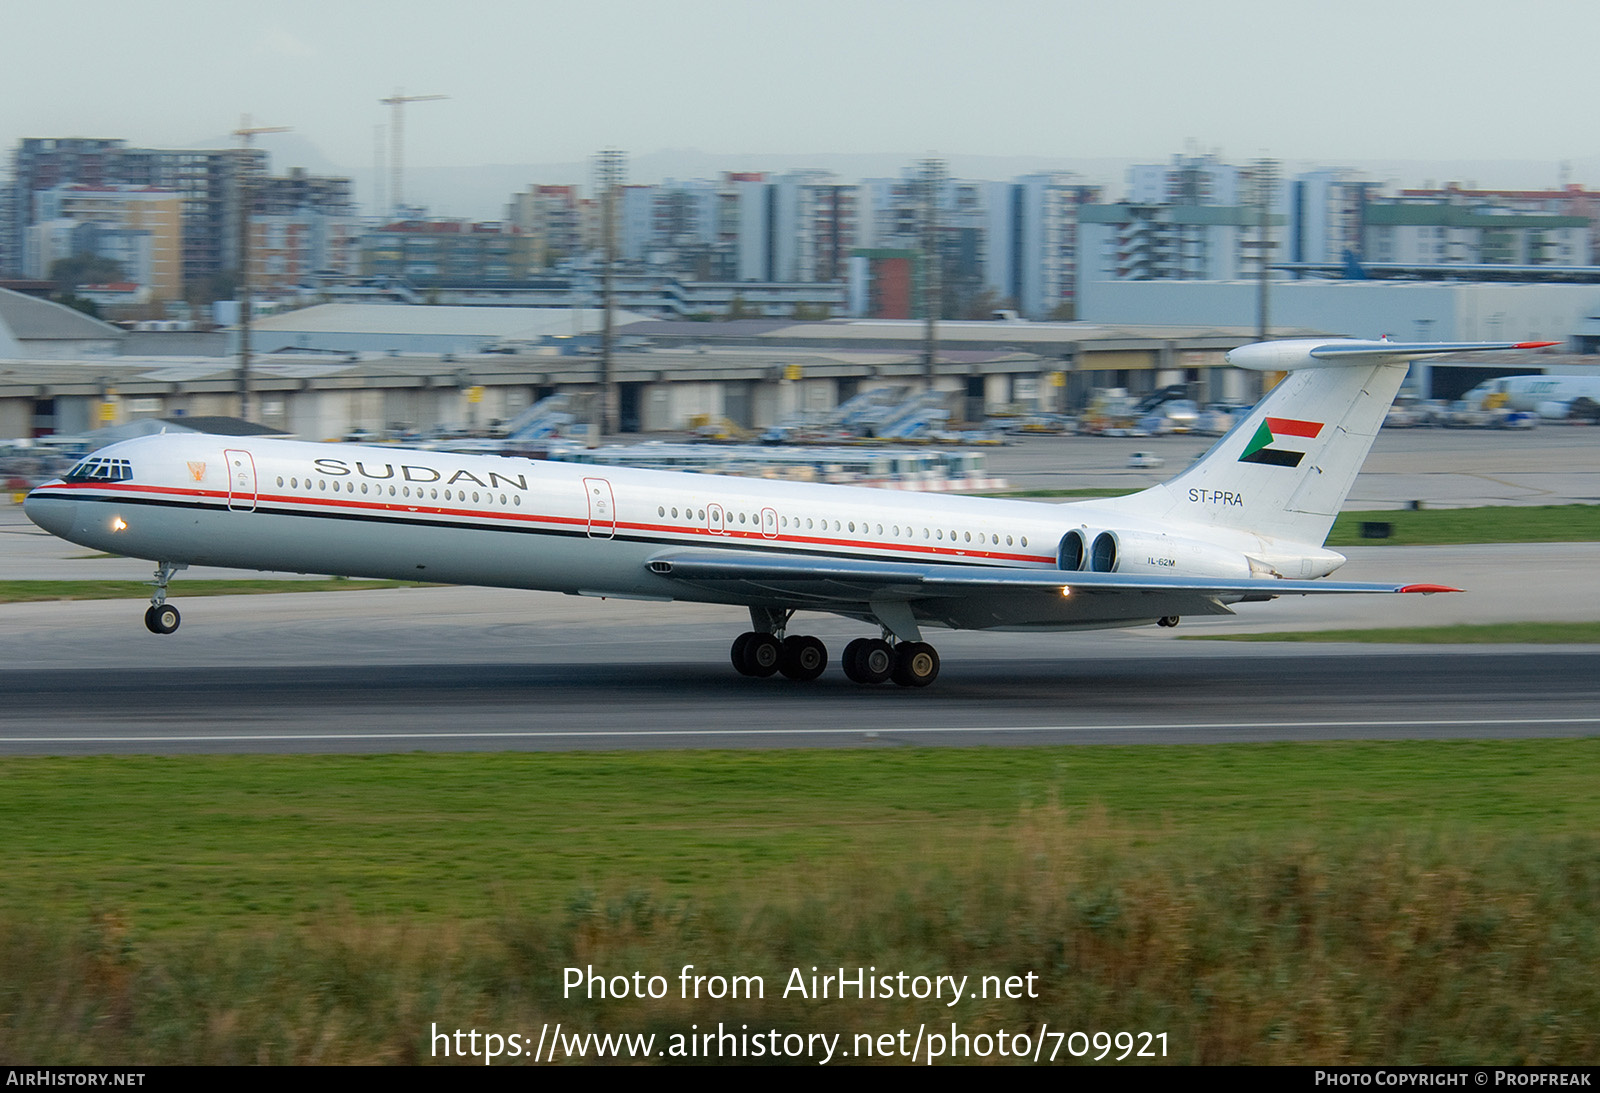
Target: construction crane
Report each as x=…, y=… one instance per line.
x=247, y=135
x=397, y=102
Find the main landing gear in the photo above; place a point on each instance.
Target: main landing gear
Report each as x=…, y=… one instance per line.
x=161, y=617
x=765, y=651
x=874, y=660
x=797, y=657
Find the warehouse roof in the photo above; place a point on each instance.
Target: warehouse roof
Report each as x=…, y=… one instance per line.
x=27, y=318
x=424, y=319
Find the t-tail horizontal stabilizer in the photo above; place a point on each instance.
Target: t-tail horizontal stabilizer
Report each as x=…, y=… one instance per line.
x=1294, y=353
x=1287, y=468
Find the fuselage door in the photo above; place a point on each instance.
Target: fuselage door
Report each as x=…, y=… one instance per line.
x=714, y=520
x=602, y=508
x=241, y=479
x=769, y=523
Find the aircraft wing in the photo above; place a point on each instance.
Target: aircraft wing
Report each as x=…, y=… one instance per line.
x=980, y=597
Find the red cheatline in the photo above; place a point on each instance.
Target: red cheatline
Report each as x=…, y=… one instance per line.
x=1288, y=426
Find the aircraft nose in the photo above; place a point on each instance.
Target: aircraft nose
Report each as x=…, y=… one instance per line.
x=53, y=514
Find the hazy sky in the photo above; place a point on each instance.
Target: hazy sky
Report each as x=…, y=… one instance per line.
x=532, y=81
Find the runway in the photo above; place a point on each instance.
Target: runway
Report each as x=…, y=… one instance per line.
x=460, y=670
x=451, y=669
x=1105, y=700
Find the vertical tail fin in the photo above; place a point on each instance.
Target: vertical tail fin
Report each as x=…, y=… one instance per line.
x=1285, y=470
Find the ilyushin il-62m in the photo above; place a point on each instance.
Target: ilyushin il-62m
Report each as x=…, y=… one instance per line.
x=1244, y=523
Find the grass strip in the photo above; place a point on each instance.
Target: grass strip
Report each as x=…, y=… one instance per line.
x=1086, y=492
x=1494, y=633
x=35, y=591
x=1485, y=524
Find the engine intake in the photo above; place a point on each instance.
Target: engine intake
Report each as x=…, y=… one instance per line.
x=1105, y=553
x=1070, y=554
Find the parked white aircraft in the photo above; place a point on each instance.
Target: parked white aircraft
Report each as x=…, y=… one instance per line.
x=1548, y=396
x=1245, y=523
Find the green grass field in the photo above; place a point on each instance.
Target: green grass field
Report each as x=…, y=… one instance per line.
x=36, y=591
x=210, y=842
x=1487, y=524
x=1496, y=633
x=1357, y=902
x=1065, y=495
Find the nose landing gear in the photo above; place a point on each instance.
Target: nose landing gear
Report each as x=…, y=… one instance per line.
x=161, y=617
x=162, y=620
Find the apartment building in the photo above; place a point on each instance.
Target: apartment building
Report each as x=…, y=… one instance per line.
x=138, y=227
x=552, y=219
x=1482, y=227
x=208, y=182
x=448, y=252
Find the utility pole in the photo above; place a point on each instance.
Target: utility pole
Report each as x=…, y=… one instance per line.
x=379, y=203
x=246, y=134
x=1266, y=181
x=610, y=167
x=397, y=103
x=931, y=175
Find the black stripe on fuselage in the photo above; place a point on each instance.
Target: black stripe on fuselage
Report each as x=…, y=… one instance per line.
x=769, y=546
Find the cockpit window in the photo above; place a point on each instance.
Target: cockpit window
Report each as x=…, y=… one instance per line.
x=101, y=470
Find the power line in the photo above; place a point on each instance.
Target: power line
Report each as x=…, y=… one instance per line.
x=610, y=169
x=931, y=177
x=246, y=134
x=1266, y=183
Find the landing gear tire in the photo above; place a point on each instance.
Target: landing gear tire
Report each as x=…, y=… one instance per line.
x=916, y=664
x=162, y=619
x=737, y=652
x=756, y=654
x=803, y=658
x=868, y=660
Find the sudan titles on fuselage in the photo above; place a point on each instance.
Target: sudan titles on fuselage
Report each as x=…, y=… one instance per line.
x=338, y=468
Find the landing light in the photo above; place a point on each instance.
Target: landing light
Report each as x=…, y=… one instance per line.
x=118, y=524
x=1066, y=590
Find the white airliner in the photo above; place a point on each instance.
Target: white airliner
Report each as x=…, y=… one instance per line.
x=1244, y=523
x=1548, y=396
